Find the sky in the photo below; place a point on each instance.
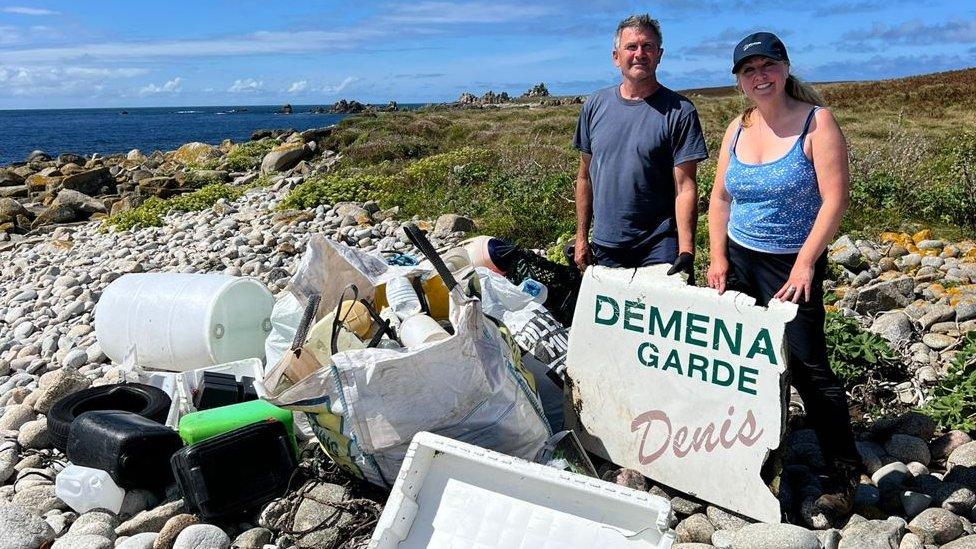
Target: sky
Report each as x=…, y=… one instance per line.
x=109, y=53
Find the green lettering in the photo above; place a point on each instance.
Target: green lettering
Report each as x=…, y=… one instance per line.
x=729, y=370
x=735, y=346
x=698, y=363
x=673, y=362
x=692, y=327
x=615, y=310
x=631, y=314
x=763, y=345
x=673, y=323
x=649, y=361
x=747, y=375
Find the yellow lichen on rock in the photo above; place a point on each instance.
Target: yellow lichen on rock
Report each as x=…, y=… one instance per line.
x=195, y=154
x=924, y=234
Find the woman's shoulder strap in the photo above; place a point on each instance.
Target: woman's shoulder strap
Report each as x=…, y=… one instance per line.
x=806, y=127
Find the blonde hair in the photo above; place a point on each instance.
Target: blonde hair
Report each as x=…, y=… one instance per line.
x=795, y=88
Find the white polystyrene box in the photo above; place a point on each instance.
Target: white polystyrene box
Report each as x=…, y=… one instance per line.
x=452, y=494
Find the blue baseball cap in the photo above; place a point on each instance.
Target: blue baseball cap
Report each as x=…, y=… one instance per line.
x=763, y=44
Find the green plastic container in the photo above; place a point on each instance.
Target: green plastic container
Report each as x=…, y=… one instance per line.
x=203, y=425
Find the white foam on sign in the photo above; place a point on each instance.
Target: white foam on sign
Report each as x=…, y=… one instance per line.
x=681, y=384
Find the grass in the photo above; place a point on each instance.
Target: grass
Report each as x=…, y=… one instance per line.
x=911, y=143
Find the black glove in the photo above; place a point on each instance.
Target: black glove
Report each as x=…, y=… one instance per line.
x=685, y=263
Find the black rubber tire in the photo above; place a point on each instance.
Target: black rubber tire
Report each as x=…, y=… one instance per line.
x=145, y=400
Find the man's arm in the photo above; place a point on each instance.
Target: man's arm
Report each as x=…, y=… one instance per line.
x=685, y=205
x=584, y=212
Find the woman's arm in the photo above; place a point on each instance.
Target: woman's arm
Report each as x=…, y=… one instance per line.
x=834, y=181
x=719, y=205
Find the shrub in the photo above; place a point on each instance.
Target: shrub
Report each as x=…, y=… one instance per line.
x=246, y=156
x=151, y=212
x=332, y=188
x=394, y=147
x=858, y=356
x=953, y=400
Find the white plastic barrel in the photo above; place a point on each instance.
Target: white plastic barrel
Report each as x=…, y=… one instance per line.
x=182, y=321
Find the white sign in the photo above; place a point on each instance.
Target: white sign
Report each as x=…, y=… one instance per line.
x=681, y=384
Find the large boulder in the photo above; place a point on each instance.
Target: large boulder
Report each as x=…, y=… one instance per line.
x=55, y=213
x=163, y=187
x=91, y=182
x=205, y=177
x=195, y=154
x=10, y=178
x=81, y=203
x=449, y=223
x=894, y=326
x=16, y=191
x=10, y=209
x=283, y=157
x=885, y=296
x=38, y=183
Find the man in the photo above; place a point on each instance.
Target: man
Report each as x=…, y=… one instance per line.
x=640, y=144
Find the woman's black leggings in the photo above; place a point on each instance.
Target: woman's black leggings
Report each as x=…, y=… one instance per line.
x=761, y=275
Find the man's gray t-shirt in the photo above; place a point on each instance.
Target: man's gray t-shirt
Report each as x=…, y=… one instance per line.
x=635, y=146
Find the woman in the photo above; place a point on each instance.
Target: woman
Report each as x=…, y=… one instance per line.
x=781, y=189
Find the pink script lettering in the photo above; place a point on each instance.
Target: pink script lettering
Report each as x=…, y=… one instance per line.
x=654, y=443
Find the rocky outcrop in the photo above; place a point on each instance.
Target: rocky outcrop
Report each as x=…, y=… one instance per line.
x=539, y=90
x=347, y=107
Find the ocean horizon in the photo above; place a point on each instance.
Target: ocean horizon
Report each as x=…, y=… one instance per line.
x=118, y=130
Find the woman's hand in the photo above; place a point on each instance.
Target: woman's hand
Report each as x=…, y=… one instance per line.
x=718, y=271
x=799, y=287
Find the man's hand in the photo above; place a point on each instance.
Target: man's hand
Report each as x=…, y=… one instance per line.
x=685, y=263
x=581, y=254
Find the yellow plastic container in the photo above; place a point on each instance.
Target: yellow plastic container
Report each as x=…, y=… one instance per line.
x=434, y=289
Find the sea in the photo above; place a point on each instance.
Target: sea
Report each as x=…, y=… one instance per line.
x=109, y=131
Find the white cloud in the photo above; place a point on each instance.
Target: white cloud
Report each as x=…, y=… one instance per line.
x=10, y=35
x=340, y=86
x=170, y=86
x=471, y=12
x=33, y=81
x=246, y=85
x=258, y=43
x=23, y=10
x=298, y=87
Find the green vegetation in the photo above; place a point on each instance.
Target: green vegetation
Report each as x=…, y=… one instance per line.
x=912, y=148
x=151, y=212
x=332, y=188
x=953, y=400
x=246, y=156
x=858, y=356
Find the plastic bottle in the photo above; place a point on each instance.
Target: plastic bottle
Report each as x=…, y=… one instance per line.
x=84, y=489
x=536, y=289
x=420, y=329
x=402, y=297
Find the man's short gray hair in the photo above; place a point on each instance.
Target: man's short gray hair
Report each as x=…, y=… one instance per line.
x=642, y=22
